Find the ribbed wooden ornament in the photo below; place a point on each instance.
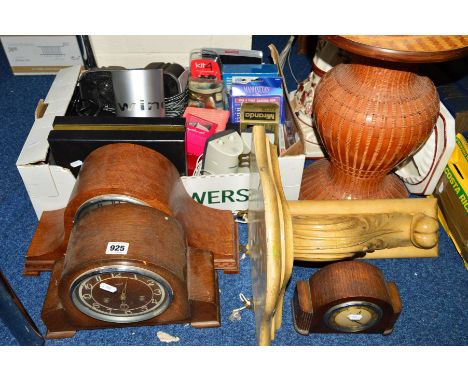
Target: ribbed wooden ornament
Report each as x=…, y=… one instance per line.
x=370, y=118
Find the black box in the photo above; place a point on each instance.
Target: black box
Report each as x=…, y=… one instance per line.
x=74, y=138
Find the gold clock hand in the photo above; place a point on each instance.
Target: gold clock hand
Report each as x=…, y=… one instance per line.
x=123, y=295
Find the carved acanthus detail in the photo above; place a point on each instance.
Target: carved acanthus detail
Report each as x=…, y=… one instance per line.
x=316, y=235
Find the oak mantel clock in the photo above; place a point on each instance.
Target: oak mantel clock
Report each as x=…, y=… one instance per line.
x=346, y=297
x=131, y=247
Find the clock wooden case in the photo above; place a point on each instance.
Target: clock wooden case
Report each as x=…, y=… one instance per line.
x=346, y=297
x=128, y=264
x=128, y=173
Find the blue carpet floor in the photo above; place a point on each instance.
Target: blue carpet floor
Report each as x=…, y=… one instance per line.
x=434, y=291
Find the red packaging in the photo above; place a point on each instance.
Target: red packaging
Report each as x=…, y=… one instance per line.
x=198, y=130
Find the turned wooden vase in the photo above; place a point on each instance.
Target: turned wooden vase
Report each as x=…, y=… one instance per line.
x=373, y=113
x=370, y=117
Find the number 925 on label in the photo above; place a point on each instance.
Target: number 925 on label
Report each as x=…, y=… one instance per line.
x=117, y=248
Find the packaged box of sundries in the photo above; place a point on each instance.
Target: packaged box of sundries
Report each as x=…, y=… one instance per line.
x=244, y=73
x=50, y=184
x=262, y=90
x=452, y=195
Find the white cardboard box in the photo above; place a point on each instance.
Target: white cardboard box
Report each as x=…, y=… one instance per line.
x=49, y=187
x=139, y=51
x=31, y=55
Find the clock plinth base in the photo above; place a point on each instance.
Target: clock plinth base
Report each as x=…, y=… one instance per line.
x=297, y=309
x=346, y=297
x=31, y=273
x=323, y=181
x=203, y=290
x=46, y=245
x=58, y=335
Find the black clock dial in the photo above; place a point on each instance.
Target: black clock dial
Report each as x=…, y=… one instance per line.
x=121, y=294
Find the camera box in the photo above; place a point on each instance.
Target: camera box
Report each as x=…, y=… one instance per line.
x=31, y=55
x=49, y=186
x=261, y=90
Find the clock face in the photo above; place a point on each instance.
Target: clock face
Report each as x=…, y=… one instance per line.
x=353, y=316
x=121, y=294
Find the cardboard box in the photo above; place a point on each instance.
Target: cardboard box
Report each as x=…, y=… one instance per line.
x=452, y=196
x=31, y=55
x=139, y=51
x=49, y=187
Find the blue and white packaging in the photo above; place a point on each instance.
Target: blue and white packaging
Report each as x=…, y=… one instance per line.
x=243, y=73
x=262, y=90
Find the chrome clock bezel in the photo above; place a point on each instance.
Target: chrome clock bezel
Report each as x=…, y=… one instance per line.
x=103, y=200
x=109, y=317
x=327, y=317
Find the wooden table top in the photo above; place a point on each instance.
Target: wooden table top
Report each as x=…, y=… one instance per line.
x=404, y=48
